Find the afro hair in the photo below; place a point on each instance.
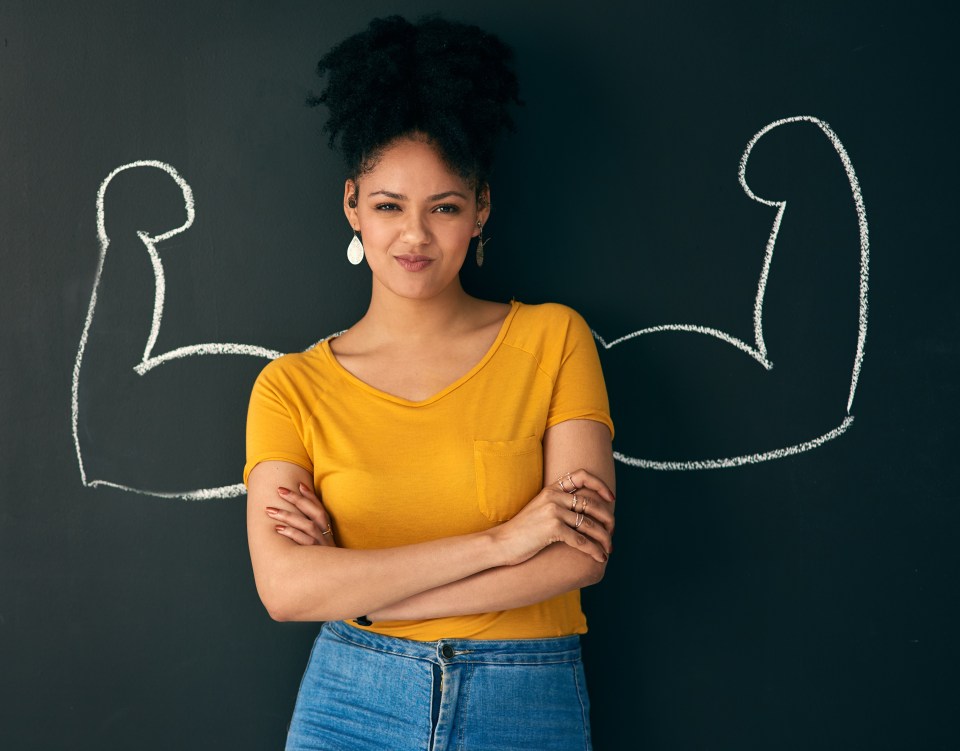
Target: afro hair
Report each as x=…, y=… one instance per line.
x=451, y=82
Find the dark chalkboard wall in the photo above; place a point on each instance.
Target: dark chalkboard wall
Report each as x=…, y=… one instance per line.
x=802, y=602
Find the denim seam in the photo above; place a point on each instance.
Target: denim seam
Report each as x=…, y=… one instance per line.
x=435, y=696
x=507, y=663
x=558, y=661
x=316, y=642
x=369, y=648
x=583, y=710
x=462, y=706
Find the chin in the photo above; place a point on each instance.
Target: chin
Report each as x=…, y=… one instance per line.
x=421, y=288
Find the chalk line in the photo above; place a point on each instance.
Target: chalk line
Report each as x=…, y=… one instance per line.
x=722, y=335
x=758, y=350
x=203, y=494
x=738, y=461
x=150, y=361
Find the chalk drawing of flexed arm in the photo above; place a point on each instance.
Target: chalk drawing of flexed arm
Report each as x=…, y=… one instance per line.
x=123, y=403
x=713, y=359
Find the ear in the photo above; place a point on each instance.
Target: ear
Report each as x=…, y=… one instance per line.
x=483, y=207
x=350, y=197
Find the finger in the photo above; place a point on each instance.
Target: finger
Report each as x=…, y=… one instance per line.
x=581, y=500
x=301, y=538
x=307, y=492
x=587, y=498
x=601, y=512
x=588, y=502
x=307, y=515
x=309, y=505
x=581, y=479
x=579, y=541
x=583, y=525
x=584, y=479
x=312, y=507
x=591, y=528
x=299, y=507
x=297, y=521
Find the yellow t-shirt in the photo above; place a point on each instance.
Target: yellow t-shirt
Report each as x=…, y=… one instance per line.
x=394, y=472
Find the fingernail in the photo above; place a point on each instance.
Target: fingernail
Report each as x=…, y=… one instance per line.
x=302, y=487
x=282, y=491
x=279, y=528
x=271, y=510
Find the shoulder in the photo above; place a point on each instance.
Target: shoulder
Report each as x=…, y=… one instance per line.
x=288, y=371
x=549, y=332
x=552, y=320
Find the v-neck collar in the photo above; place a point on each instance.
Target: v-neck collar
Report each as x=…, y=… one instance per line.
x=347, y=375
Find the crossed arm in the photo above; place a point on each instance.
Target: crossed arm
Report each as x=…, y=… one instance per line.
x=534, y=556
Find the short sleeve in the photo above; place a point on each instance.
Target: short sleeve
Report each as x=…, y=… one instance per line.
x=579, y=392
x=274, y=424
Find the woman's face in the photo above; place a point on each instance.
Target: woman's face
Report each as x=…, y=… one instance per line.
x=416, y=218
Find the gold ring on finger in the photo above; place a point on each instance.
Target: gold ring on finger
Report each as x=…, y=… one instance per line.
x=573, y=503
x=327, y=531
x=579, y=521
x=569, y=479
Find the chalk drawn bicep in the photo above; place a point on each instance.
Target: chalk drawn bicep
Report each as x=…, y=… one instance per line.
x=757, y=349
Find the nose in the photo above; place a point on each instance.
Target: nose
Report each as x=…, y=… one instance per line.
x=415, y=229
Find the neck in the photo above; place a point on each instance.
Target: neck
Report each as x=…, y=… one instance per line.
x=397, y=318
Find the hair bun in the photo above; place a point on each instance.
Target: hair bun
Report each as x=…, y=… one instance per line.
x=451, y=81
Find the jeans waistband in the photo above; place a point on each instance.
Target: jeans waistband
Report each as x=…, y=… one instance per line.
x=453, y=651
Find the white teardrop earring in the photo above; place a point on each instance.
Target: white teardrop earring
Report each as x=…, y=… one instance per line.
x=355, y=250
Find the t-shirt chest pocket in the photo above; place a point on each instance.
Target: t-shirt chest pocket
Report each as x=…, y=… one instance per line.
x=509, y=474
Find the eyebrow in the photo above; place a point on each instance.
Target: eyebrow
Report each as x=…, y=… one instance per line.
x=436, y=197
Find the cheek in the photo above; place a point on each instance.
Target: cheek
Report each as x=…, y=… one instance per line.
x=458, y=234
x=375, y=234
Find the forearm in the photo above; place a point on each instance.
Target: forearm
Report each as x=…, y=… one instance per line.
x=328, y=583
x=323, y=583
x=507, y=566
x=555, y=570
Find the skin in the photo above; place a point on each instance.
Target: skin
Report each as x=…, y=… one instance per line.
x=421, y=333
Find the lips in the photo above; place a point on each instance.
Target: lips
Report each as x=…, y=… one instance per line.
x=412, y=262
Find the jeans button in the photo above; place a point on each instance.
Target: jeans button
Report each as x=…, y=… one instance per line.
x=447, y=651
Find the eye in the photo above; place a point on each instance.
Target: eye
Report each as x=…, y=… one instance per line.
x=447, y=208
x=387, y=207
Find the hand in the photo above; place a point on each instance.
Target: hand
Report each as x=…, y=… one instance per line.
x=552, y=516
x=308, y=523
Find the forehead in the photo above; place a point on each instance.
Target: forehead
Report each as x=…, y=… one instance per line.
x=412, y=167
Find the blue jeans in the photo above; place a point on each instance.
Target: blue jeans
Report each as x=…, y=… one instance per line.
x=365, y=691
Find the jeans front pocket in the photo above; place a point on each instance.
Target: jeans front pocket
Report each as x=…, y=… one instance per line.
x=509, y=474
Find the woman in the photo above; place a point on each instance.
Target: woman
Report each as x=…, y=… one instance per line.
x=396, y=472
